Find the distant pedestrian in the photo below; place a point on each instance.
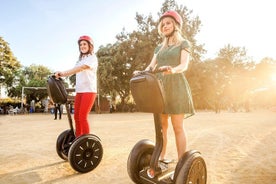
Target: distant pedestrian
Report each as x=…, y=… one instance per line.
x=58, y=110
x=32, y=108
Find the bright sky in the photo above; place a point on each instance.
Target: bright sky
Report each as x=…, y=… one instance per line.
x=46, y=31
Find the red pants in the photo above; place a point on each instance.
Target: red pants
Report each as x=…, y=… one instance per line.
x=83, y=105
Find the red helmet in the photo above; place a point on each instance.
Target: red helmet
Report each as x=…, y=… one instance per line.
x=174, y=15
x=86, y=38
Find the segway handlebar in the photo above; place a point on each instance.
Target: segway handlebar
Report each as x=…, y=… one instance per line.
x=154, y=70
x=54, y=77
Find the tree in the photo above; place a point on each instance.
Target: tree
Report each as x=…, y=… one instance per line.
x=236, y=79
x=265, y=73
x=264, y=88
x=9, y=66
x=212, y=81
x=31, y=76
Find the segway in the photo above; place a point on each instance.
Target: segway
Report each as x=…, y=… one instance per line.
x=143, y=163
x=83, y=153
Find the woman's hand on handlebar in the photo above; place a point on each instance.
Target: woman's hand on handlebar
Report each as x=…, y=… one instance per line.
x=58, y=74
x=166, y=69
x=136, y=72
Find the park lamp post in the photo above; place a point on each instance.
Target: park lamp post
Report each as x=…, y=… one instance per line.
x=22, y=97
x=2, y=79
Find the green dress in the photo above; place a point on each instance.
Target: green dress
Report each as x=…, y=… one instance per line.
x=176, y=87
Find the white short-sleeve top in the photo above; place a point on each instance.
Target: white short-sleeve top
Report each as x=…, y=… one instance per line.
x=86, y=80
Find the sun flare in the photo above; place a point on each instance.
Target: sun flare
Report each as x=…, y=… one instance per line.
x=273, y=77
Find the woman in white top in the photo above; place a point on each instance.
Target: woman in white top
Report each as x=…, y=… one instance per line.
x=86, y=83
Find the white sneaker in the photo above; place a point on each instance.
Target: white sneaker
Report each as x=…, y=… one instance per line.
x=172, y=176
x=162, y=165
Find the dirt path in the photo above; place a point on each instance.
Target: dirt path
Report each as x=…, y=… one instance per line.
x=237, y=147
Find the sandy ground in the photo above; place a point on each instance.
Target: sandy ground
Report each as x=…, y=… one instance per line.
x=237, y=147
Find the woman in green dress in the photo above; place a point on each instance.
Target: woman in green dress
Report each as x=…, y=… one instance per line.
x=172, y=55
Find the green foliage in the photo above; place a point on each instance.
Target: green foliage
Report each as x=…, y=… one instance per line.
x=35, y=76
x=9, y=66
x=16, y=77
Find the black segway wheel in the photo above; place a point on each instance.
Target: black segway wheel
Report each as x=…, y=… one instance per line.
x=191, y=168
x=86, y=153
x=64, y=141
x=139, y=158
